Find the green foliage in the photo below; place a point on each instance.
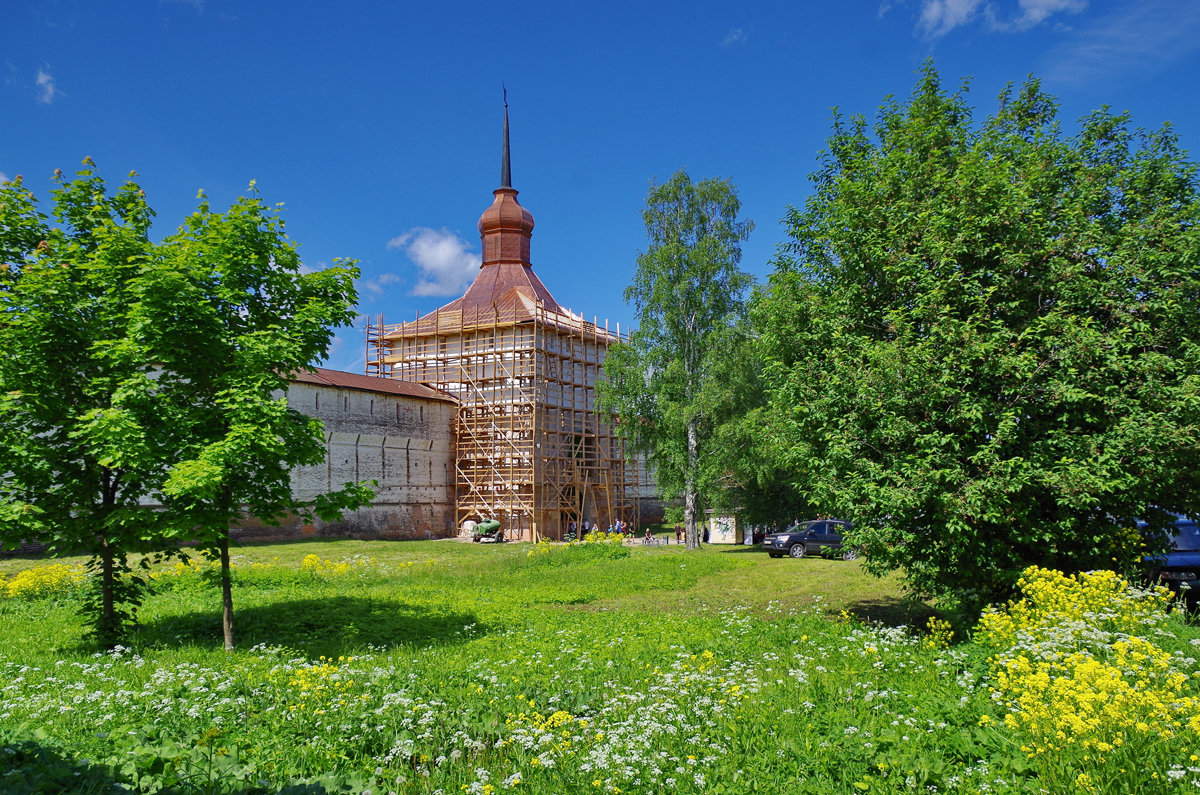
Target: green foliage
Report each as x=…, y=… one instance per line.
x=236, y=317
x=1093, y=700
x=459, y=667
x=79, y=410
x=665, y=384
x=139, y=373
x=230, y=285
x=749, y=474
x=32, y=764
x=53, y=581
x=983, y=340
x=596, y=548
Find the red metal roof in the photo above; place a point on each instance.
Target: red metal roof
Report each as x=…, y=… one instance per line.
x=369, y=383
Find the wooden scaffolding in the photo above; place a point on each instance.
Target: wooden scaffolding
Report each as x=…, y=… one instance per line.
x=532, y=449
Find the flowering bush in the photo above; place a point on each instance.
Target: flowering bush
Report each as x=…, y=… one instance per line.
x=191, y=567
x=485, y=674
x=313, y=564
x=200, y=574
x=941, y=633
x=45, y=582
x=603, y=538
x=1059, y=612
x=1095, y=703
x=595, y=547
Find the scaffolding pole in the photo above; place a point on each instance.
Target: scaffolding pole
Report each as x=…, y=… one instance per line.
x=531, y=448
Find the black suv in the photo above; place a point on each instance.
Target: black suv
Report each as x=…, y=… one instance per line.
x=811, y=536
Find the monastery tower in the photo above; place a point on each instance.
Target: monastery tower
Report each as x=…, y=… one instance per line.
x=531, y=448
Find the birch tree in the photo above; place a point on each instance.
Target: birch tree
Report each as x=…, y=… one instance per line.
x=689, y=296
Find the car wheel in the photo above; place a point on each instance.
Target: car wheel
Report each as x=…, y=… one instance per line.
x=849, y=554
x=475, y=539
x=797, y=550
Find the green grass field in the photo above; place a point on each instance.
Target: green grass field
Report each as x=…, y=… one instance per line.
x=444, y=667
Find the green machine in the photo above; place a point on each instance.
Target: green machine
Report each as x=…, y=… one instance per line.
x=488, y=530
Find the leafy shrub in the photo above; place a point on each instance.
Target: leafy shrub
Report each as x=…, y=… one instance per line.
x=57, y=580
x=1089, y=697
x=200, y=574
x=313, y=564
x=36, y=764
x=595, y=547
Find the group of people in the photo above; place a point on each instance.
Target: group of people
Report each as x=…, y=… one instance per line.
x=620, y=527
x=623, y=528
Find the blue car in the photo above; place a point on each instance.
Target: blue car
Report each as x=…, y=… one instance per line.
x=1179, y=568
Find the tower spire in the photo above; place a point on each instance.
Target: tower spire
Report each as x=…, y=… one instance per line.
x=505, y=227
x=505, y=165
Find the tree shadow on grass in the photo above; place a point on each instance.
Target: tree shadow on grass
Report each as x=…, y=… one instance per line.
x=332, y=627
x=31, y=766
x=738, y=549
x=892, y=612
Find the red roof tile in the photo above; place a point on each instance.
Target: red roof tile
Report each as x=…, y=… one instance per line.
x=369, y=383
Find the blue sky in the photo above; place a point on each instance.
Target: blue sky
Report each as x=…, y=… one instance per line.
x=377, y=124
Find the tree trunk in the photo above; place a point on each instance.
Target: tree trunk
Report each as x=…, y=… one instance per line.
x=691, y=530
x=226, y=593
x=107, y=629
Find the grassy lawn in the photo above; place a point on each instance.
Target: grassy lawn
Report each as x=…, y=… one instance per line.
x=446, y=667
x=464, y=583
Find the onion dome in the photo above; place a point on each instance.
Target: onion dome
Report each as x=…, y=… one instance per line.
x=506, y=226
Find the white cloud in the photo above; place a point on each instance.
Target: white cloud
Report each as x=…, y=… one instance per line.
x=1034, y=12
x=375, y=284
x=939, y=17
x=734, y=36
x=1137, y=40
x=3, y=177
x=446, y=264
x=45, y=82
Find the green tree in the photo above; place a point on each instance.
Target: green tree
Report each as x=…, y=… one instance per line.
x=144, y=374
x=689, y=296
x=982, y=340
x=78, y=450
x=232, y=317
x=741, y=463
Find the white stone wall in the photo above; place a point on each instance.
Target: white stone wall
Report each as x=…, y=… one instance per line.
x=405, y=443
